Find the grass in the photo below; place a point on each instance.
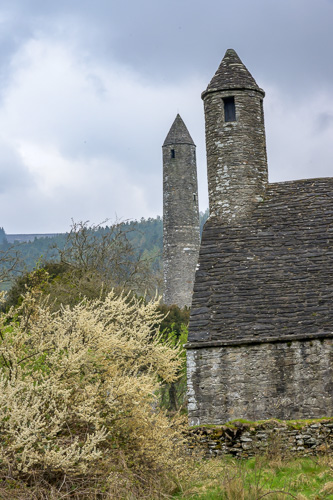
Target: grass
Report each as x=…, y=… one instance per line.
x=261, y=478
x=258, y=478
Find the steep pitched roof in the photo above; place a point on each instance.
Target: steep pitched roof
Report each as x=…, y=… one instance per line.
x=272, y=275
x=232, y=74
x=178, y=133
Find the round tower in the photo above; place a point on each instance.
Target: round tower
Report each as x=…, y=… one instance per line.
x=235, y=140
x=181, y=233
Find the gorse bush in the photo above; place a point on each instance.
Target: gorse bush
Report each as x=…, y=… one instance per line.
x=78, y=398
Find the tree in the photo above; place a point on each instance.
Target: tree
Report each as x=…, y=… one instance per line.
x=91, y=261
x=40, y=279
x=104, y=256
x=9, y=261
x=78, y=399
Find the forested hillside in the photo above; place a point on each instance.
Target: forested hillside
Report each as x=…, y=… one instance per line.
x=3, y=238
x=145, y=237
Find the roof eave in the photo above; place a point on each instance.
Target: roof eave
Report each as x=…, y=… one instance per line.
x=231, y=88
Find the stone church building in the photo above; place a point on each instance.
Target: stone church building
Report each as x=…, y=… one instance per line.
x=260, y=339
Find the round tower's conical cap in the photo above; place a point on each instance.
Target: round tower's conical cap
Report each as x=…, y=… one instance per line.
x=178, y=133
x=232, y=74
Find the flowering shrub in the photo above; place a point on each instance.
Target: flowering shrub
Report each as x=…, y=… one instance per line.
x=77, y=397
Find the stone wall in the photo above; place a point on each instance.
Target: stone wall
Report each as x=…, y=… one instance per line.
x=236, y=154
x=244, y=440
x=260, y=380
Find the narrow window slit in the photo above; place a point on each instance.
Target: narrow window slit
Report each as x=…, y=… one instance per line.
x=229, y=109
x=173, y=153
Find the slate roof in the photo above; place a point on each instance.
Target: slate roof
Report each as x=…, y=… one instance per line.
x=232, y=74
x=178, y=133
x=270, y=276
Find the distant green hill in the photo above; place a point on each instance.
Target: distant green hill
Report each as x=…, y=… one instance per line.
x=146, y=236
x=25, y=238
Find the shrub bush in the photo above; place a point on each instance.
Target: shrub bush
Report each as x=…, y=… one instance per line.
x=78, y=406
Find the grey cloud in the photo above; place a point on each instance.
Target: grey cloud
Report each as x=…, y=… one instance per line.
x=287, y=42
x=168, y=46
x=323, y=122
x=13, y=174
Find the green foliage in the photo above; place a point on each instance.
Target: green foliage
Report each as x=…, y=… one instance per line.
x=145, y=237
x=175, y=318
x=257, y=478
x=291, y=424
x=90, y=261
x=41, y=278
x=174, y=330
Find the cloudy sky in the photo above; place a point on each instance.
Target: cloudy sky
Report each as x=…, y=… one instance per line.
x=90, y=88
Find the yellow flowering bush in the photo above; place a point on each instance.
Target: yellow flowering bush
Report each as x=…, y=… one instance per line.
x=77, y=397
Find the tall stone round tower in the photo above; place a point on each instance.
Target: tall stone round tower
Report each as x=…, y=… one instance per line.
x=181, y=233
x=235, y=140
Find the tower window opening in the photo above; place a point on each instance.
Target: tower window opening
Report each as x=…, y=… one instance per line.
x=262, y=110
x=229, y=109
x=173, y=155
x=194, y=197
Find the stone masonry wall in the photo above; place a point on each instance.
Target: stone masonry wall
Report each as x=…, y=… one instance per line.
x=244, y=440
x=181, y=234
x=263, y=380
x=236, y=154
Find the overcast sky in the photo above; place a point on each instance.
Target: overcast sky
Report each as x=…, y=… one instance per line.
x=89, y=90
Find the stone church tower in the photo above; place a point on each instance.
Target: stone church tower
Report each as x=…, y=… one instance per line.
x=181, y=233
x=260, y=341
x=235, y=140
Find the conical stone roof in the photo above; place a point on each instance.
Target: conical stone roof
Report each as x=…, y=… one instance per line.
x=178, y=133
x=232, y=74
